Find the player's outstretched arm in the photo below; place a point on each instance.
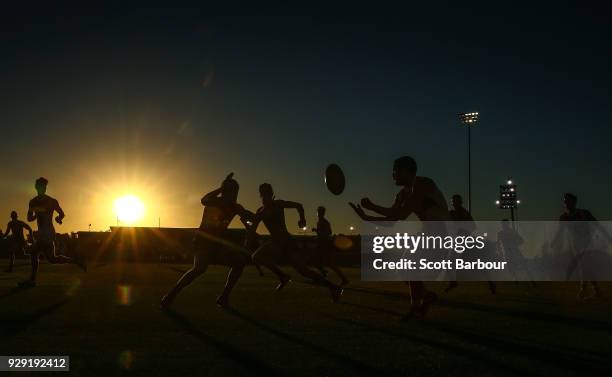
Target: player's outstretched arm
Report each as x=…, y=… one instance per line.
x=369, y=205
x=300, y=209
x=31, y=214
x=27, y=227
x=248, y=218
x=60, y=213
x=209, y=198
x=8, y=230
x=384, y=220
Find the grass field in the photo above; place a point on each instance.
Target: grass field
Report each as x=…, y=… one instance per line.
x=108, y=322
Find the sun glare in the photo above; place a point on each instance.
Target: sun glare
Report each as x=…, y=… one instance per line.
x=129, y=209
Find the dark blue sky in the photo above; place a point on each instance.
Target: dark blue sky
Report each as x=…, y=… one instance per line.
x=176, y=97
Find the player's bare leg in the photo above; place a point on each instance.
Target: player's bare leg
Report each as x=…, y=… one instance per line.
x=265, y=256
x=259, y=270
x=11, y=261
x=333, y=265
x=232, y=278
x=300, y=267
x=198, y=268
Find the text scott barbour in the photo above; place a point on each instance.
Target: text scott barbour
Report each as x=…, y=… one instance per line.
x=410, y=244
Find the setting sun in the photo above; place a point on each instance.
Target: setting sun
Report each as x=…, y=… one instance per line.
x=129, y=209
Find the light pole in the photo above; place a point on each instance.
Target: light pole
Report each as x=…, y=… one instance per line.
x=469, y=120
x=508, y=198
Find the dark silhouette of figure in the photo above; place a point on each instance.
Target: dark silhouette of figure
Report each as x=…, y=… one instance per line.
x=16, y=240
x=465, y=226
x=421, y=196
x=210, y=243
x=579, y=225
x=41, y=209
x=282, y=244
x=326, y=252
x=459, y=214
x=509, y=243
x=251, y=243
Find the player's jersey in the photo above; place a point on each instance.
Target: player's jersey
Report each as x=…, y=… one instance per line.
x=44, y=206
x=466, y=222
x=578, y=226
x=217, y=215
x=273, y=217
x=426, y=200
x=16, y=227
x=324, y=230
x=511, y=241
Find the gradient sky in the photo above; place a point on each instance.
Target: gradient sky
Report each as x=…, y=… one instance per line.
x=163, y=103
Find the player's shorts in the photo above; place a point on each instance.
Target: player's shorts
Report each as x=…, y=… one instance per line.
x=44, y=246
x=218, y=251
x=15, y=244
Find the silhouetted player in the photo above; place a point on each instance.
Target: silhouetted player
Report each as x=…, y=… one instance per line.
x=421, y=196
x=41, y=209
x=509, y=243
x=16, y=241
x=326, y=252
x=282, y=244
x=581, y=235
x=210, y=243
x=465, y=226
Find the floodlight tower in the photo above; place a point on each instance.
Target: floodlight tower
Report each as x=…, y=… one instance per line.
x=469, y=120
x=508, y=198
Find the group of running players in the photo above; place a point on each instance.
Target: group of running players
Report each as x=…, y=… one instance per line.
x=418, y=195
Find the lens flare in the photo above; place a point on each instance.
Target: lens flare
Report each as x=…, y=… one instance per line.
x=126, y=359
x=124, y=295
x=343, y=242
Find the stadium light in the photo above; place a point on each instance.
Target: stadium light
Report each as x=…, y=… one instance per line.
x=508, y=198
x=469, y=119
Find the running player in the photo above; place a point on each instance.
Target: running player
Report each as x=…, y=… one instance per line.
x=211, y=244
x=465, y=225
x=282, y=244
x=326, y=252
x=421, y=196
x=579, y=224
x=508, y=245
x=41, y=209
x=16, y=241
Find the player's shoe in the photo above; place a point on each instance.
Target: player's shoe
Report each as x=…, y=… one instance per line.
x=165, y=303
x=283, y=282
x=223, y=301
x=336, y=293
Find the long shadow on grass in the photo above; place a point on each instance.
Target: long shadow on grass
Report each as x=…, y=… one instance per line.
x=560, y=348
x=378, y=292
x=12, y=327
x=179, y=270
x=371, y=308
x=250, y=363
x=15, y=291
x=549, y=318
x=356, y=366
x=581, y=363
x=476, y=357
